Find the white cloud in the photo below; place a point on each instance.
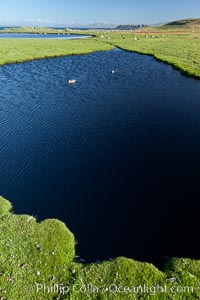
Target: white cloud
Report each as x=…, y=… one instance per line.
x=29, y=20
x=104, y=21
x=12, y=20
x=72, y=22
x=45, y=21
x=98, y=22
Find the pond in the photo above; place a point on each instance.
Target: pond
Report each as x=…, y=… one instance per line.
x=114, y=156
x=41, y=36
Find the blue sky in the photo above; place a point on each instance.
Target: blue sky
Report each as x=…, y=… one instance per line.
x=74, y=12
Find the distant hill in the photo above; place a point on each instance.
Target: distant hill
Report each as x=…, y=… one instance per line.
x=159, y=24
x=98, y=25
x=185, y=23
x=130, y=27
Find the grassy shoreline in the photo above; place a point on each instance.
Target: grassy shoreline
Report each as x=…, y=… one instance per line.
x=38, y=260
x=21, y=50
x=165, y=61
x=178, y=49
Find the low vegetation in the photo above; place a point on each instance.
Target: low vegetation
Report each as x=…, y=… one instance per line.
x=175, y=43
x=38, y=262
x=21, y=50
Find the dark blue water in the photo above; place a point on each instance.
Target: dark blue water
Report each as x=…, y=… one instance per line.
x=41, y=36
x=115, y=156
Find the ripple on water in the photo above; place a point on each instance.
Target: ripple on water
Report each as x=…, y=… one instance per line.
x=115, y=156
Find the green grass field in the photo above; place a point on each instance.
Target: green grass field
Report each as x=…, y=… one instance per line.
x=37, y=262
x=20, y=50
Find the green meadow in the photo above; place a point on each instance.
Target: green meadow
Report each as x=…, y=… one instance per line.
x=20, y=50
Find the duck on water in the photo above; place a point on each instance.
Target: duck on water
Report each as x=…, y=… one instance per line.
x=71, y=81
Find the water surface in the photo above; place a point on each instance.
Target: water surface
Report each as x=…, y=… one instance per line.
x=41, y=36
x=115, y=156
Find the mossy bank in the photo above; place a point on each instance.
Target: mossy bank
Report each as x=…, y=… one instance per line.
x=37, y=261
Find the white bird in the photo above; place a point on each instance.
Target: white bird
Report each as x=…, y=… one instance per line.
x=71, y=81
x=113, y=71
